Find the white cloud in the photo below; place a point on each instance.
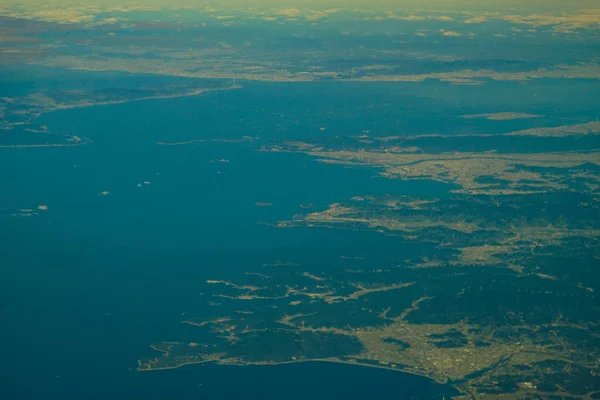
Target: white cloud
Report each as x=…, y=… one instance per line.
x=451, y=33
x=442, y=18
x=480, y=19
x=289, y=12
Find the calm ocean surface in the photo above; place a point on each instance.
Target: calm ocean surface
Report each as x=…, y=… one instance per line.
x=87, y=285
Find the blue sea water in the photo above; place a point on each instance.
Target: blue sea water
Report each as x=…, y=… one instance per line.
x=87, y=285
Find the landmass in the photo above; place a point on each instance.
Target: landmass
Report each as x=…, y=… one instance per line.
x=501, y=304
x=19, y=113
x=503, y=116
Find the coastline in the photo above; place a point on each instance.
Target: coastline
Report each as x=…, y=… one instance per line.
x=324, y=360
